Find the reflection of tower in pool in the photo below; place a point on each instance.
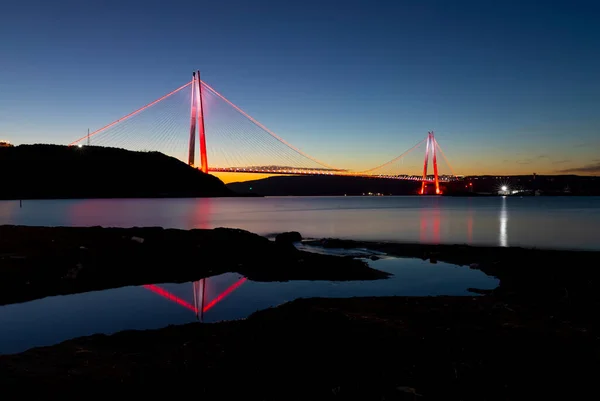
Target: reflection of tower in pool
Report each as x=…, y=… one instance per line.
x=503, y=235
x=201, y=304
x=199, y=288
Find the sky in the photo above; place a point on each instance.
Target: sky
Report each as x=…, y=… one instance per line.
x=508, y=87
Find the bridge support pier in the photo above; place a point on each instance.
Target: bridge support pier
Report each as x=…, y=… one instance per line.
x=430, y=148
x=197, y=125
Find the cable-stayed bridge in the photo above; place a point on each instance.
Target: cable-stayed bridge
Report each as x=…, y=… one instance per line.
x=228, y=140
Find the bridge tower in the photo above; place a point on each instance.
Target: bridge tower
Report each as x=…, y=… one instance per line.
x=197, y=124
x=430, y=148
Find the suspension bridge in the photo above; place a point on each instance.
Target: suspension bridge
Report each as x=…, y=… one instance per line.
x=195, y=115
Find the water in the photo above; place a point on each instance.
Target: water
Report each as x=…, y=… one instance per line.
x=546, y=222
x=229, y=296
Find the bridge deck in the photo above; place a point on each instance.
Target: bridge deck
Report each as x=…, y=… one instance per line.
x=340, y=173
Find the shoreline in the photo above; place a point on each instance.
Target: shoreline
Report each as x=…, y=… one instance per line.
x=36, y=262
x=539, y=326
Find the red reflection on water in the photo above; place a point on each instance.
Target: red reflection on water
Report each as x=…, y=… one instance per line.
x=196, y=309
x=202, y=213
x=470, y=227
x=225, y=293
x=9, y=211
x=429, y=223
x=171, y=297
x=85, y=212
x=436, y=225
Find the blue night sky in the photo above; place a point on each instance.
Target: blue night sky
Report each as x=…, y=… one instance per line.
x=507, y=86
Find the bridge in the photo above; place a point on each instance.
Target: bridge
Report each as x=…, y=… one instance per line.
x=196, y=113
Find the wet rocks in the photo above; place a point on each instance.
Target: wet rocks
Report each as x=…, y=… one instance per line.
x=379, y=348
x=51, y=259
x=288, y=237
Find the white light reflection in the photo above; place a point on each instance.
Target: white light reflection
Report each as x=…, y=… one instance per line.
x=503, y=235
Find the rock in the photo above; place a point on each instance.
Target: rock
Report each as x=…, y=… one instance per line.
x=373, y=257
x=288, y=237
x=480, y=291
x=409, y=391
x=73, y=272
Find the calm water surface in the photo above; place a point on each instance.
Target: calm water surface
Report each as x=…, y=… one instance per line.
x=229, y=296
x=547, y=222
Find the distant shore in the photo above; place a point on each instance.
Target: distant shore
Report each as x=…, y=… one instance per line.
x=539, y=326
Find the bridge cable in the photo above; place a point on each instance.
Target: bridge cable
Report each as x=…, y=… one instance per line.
x=130, y=114
x=265, y=128
x=444, y=156
x=394, y=159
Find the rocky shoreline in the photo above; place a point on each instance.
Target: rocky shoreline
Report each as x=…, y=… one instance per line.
x=536, y=335
x=36, y=262
x=526, y=273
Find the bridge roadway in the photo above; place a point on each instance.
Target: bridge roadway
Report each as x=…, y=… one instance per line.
x=331, y=172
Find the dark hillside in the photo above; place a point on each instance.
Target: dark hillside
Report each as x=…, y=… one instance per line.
x=324, y=186
x=54, y=172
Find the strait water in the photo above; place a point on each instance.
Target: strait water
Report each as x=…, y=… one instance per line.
x=545, y=222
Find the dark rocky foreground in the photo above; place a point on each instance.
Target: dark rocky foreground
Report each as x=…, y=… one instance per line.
x=538, y=276
x=536, y=336
x=444, y=348
x=41, y=261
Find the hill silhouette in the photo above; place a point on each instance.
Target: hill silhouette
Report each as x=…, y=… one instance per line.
x=356, y=186
x=324, y=186
x=55, y=172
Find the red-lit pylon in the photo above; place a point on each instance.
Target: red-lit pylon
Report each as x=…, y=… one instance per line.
x=197, y=124
x=430, y=148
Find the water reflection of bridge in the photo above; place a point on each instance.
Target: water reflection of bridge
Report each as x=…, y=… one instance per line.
x=201, y=304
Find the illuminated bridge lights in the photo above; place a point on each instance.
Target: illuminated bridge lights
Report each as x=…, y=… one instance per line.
x=288, y=155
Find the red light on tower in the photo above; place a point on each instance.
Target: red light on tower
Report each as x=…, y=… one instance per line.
x=430, y=148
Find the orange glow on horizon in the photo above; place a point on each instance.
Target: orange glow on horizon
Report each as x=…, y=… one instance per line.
x=241, y=177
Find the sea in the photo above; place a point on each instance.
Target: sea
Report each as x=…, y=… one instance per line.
x=533, y=222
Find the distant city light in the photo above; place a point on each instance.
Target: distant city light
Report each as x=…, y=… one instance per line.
x=80, y=145
x=504, y=188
